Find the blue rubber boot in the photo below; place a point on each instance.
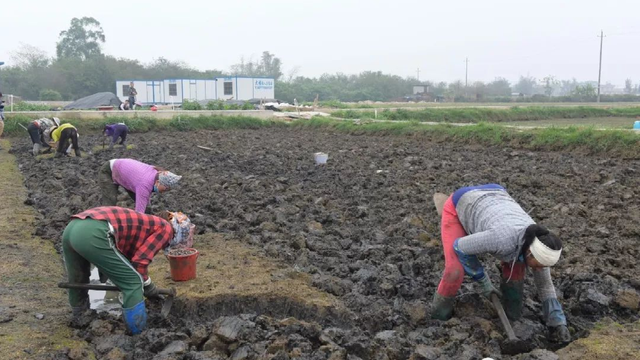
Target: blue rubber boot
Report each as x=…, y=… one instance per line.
x=135, y=318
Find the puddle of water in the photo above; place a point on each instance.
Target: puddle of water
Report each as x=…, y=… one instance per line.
x=103, y=300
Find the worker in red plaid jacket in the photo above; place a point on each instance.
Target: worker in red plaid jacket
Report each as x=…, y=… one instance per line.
x=121, y=243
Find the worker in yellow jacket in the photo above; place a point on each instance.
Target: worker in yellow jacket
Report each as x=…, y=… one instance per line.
x=64, y=134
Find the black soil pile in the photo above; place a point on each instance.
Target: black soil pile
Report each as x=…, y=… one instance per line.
x=365, y=227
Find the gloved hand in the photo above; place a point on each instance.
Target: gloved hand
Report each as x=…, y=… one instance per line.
x=488, y=288
x=559, y=334
x=150, y=290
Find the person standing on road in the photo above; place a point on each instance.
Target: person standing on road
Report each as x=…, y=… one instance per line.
x=486, y=220
x=121, y=243
x=139, y=179
x=62, y=135
x=116, y=131
x=40, y=128
x=132, y=96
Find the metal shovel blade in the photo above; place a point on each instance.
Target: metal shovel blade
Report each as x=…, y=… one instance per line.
x=512, y=345
x=168, y=294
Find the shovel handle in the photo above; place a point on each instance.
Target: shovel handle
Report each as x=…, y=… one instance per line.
x=169, y=292
x=503, y=317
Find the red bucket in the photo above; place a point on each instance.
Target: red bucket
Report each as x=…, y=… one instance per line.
x=183, y=267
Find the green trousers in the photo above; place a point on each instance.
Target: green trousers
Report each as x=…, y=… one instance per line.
x=88, y=241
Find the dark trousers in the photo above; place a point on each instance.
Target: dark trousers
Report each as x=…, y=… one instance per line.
x=37, y=137
x=67, y=135
x=132, y=102
x=108, y=188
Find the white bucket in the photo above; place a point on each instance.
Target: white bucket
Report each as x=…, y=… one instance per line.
x=321, y=158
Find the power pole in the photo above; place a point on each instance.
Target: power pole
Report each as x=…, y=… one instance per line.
x=418, y=75
x=466, y=72
x=600, y=66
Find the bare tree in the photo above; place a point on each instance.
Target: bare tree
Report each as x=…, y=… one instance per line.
x=29, y=57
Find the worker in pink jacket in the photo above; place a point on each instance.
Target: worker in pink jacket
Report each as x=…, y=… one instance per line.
x=138, y=178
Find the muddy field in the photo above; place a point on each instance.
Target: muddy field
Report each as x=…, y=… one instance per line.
x=365, y=228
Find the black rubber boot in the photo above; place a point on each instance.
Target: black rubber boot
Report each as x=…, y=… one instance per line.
x=559, y=334
x=442, y=307
x=512, y=298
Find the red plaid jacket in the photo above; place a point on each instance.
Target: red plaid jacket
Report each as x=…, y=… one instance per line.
x=138, y=236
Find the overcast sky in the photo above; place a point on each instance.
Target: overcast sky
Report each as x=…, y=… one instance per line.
x=501, y=38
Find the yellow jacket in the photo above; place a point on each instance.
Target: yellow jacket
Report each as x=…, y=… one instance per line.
x=55, y=134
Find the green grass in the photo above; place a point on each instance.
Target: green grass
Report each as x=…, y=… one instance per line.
x=475, y=115
x=145, y=124
x=23, y=106
x=496, y=105
x=587, y=140
x=583, y=139
x=597, y=122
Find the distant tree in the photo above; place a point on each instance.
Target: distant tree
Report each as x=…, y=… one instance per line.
x=567, y=86
x=628, y=86
x=526, y=85
x=82, y=40
x=50, y=95
x=499, y=87
x=29, y=58
x=549, y=84
x=268, y=66
x=586, y=91
x=480, y=90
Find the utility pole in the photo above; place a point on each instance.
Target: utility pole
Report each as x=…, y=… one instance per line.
x=418, y=75
x=466, y=72
x=600, y=66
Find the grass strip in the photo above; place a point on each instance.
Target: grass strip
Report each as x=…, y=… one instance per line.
x=476, y=115
x=584, y=139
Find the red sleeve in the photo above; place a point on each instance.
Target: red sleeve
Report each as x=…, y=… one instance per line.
x=155, y=242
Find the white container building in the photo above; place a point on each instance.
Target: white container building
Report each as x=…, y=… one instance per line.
x=177, y=90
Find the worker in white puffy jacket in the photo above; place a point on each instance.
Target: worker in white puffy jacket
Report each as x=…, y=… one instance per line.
x=40, y=128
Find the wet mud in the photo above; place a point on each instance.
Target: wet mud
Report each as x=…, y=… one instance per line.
x=365, y=228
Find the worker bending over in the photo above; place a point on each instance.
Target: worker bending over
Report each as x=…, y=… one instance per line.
x=486, y=220
x=139, y=179
x=116, y=131
x=40, y=128
x=121, y=243
x=63, y=135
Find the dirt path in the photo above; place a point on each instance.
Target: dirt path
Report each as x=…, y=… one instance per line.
x=27, y=288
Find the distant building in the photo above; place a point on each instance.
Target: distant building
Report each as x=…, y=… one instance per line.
x=177, y=90
x=420, y=89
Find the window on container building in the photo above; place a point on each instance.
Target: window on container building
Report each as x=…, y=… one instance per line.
x=125, y=90
x=173, y=89
x=228, y=88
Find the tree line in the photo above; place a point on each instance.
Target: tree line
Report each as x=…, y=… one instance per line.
x=80, y=68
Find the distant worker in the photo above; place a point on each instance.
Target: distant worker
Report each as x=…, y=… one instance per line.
x=115, y=131
x=486, y=220
x=38, y=130
x=63, y=135
x=121, y=243
x=139, y=180
x=132, y=96
x=124, y=105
